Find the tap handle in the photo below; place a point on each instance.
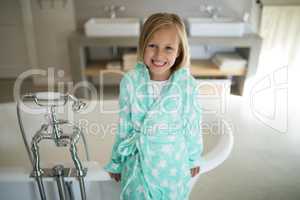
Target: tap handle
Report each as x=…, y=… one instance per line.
x=109, y=8
x=54, y=99
x=50, y=99
x=112, y=9
x=203, y=8
x=46, y=98
x=121, y=8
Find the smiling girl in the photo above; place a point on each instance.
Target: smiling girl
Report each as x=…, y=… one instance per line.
x=158, y=143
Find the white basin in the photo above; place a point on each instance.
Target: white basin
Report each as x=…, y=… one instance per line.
x=108, y=27
x=215, y=27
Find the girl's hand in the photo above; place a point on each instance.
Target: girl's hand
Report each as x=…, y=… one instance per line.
x=195, y=171
x=116, y=177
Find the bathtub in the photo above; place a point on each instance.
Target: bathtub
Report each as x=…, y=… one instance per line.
x=99, y=125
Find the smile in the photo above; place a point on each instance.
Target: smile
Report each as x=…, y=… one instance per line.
x=158, y=63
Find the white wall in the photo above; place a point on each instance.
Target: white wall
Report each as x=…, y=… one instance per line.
x=13, y=53
x=52, y=27
x=142, y=8
x=36, y=37
x=39, y=40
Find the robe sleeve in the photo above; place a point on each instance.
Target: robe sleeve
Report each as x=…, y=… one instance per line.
x=124, y=125
x=193, y=130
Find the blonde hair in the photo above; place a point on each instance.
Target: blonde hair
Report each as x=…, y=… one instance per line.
x=162, y=20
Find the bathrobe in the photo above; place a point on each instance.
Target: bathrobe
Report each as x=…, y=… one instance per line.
x=158, y=139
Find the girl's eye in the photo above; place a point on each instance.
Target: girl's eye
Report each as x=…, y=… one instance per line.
x=151, y=45
x=169, y=48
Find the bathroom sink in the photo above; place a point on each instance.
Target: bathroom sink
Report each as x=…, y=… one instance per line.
x=108, y=27
x=221, y=27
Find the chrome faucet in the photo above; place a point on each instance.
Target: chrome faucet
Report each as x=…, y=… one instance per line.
x=113, y=9
x=212, y=11
x=52, y=131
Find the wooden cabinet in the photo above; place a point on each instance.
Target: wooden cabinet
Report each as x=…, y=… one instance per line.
x=248, y=46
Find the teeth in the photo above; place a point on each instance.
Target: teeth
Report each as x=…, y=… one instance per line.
x=159, y=63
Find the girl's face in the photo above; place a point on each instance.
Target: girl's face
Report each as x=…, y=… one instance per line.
x=161, y=53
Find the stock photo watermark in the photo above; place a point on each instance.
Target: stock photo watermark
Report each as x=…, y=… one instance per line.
x=213, y=103
x=269, y=99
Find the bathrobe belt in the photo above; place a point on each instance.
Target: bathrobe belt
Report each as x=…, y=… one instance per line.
x=131, y=146
x=128, y=146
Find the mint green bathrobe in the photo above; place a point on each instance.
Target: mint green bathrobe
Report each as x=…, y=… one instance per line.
x=158, y=140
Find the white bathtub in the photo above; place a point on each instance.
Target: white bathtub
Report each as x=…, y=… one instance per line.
x=99, y=125
x=15, y=166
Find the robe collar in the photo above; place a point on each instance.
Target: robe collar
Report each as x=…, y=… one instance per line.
x=174, y=81
x=179, y=74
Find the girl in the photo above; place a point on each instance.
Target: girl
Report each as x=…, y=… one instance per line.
x=158, y=143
